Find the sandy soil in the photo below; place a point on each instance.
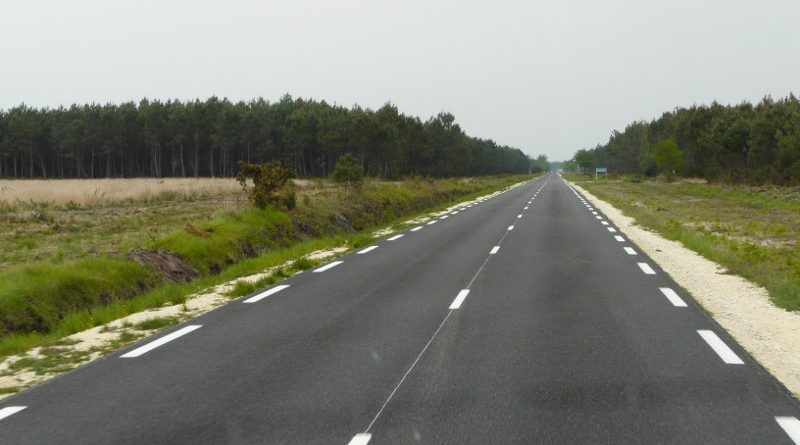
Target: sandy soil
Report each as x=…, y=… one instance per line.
x=768, y=333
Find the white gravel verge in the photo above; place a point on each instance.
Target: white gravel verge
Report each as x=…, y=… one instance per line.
x=768, y=333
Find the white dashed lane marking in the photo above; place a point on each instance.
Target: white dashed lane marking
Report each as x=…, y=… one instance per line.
x=10, y=410
x=367, y=250
x=360, y=439
x=646, y=268
x=619, y=238
x=395, y=237
x=269, y=292
x=630, y=250
x=789, y=424
x=494, y=250
x=328, y=266
x=416, y=228
x=462, y=295
x=161, y=341
x=722, y=350
x=672, y=297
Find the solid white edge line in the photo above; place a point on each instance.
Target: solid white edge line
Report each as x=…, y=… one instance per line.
x=672, y=297
x=360, y=439
x=723, y=351
x=161, y=341
x=494, y=250
x=328, y=266
x=268, y=292
x=619, y=238
x=395, y=237
x=416, y=228
x=462, y=295
x=630, y=250
x=646, y=268
x=792, y=427
x=10, y=410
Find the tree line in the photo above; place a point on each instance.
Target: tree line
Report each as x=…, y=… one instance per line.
x=740, y=143
x=208, y=138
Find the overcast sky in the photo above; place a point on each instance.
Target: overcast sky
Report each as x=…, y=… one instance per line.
x=547, y=77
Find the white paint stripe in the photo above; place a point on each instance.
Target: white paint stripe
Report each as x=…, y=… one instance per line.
x=360, y=439
x=161, y=341
x=672, y=297
x=646, y=268
x=594, y=213
x=328, y=266
x=526, y=207
x=722, y=350
x=455, y=213
x=416, y=228
x=510, y=227
x=10, y=410
x=268, y=292
x=630, y=250
x=367, y=250
x=395, y=237
x=612, y=230
x=605, y=223
x=432, y=222
x=792, y=427
x=444, y=217
x=619, y=238
x=494, y=250
x=459, y=299
x=599, y=217
x=519, y=216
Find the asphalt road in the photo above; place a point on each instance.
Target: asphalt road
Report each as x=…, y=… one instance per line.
x=468, y=330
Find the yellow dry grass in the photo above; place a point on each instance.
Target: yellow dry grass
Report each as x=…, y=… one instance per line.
x=98, y=192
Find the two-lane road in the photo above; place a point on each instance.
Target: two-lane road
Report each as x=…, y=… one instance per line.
x=526, y=317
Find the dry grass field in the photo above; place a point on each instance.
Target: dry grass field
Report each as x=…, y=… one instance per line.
x=104, y=192
x=60, y=220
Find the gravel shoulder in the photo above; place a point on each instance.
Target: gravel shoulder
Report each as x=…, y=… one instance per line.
x=770, y=334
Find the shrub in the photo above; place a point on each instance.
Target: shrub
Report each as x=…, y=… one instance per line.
x=348, y=171
x=269, y=181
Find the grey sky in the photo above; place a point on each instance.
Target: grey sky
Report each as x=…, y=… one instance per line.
x=547, y=77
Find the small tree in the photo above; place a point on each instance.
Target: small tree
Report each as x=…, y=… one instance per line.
x=269, y=184
x=348, y=171
x=669, y=158
x=585, y=159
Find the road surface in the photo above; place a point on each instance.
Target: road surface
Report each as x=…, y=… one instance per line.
x=524, y=318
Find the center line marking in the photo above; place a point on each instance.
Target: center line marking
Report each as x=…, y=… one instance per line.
x=395, y=237
x=161, y=341
x=367, y=250
x=510, y=227
x=722, y=350
x=459, y=299
x=269, y=292
x=360, y=439
x=416, y=228
x=789, y=424
x=494, y=250
x=630, y=250
x=9, y=410
x=619, y=238
x=328, y=266
x=646, y=268
x=672, y=297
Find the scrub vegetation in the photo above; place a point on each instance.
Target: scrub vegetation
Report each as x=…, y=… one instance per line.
x=753, y=231
x=45, y=299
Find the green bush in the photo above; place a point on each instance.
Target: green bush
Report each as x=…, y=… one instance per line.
x=269, y=184
x=348, y=171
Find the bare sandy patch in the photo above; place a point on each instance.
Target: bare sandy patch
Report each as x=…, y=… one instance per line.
x=768, y=333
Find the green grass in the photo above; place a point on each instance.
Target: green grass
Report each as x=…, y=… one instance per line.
x=156, y=323
x=73, y=296
x=753, y=232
